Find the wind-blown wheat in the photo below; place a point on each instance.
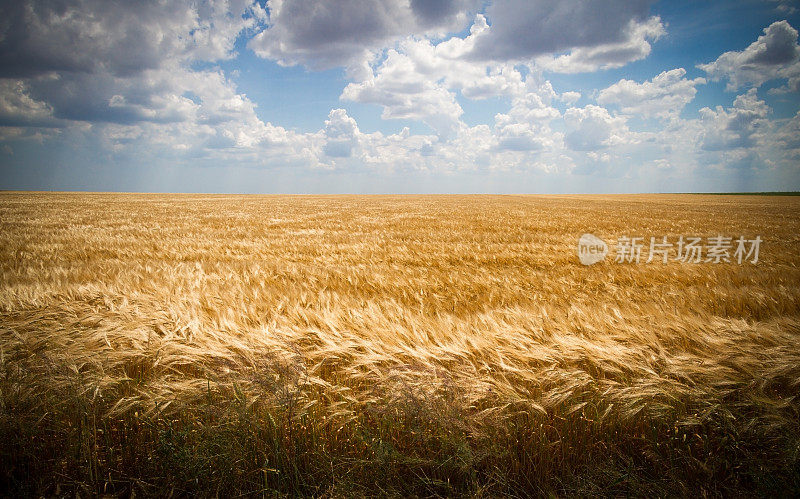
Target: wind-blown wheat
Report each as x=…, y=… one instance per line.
x=473, y=309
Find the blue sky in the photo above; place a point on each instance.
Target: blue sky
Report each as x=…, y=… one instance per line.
x=389, y=96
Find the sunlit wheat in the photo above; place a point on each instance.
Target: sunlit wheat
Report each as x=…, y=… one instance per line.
x=414, y=321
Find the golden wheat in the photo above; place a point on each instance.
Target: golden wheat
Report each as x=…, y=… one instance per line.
x=471, y=310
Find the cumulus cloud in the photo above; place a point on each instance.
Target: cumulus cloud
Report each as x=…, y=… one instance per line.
x=18, y=108
x=120, y=62
x=526, y=127
x=584, y=35
x=437, y=13
x=524, y=29
x=775, y=55
x=126, y=70
x=335, y=33
x=570, y=98
x=737, y=127
x=116, y=36
x=634, y=46
x=122, y=76
x=67, y=68
x=419, y=80
x=788, y=137
x=341, y=132
x=664, y=96
x=406, y=93
x=592, y=128
x=153, y=95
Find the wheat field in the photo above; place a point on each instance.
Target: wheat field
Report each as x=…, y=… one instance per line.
x=393, y=345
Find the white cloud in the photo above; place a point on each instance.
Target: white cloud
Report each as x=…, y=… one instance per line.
x=634, y=46
x=592, y=128
x=788, y=136
x=18, y=108
x=523, y=29
x=342, y=134
x=329, y=34
x=664, y=96
x=158, y=103
x=419, y=80
x=526, y=127
x=585, y=35
x=406, y=93
x=738, y=127
x=570, y=98
x=774, y=55
x=123, y=73
x=415, y=82
x=117, y=36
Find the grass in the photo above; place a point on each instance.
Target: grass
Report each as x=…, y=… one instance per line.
x=393, y=345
